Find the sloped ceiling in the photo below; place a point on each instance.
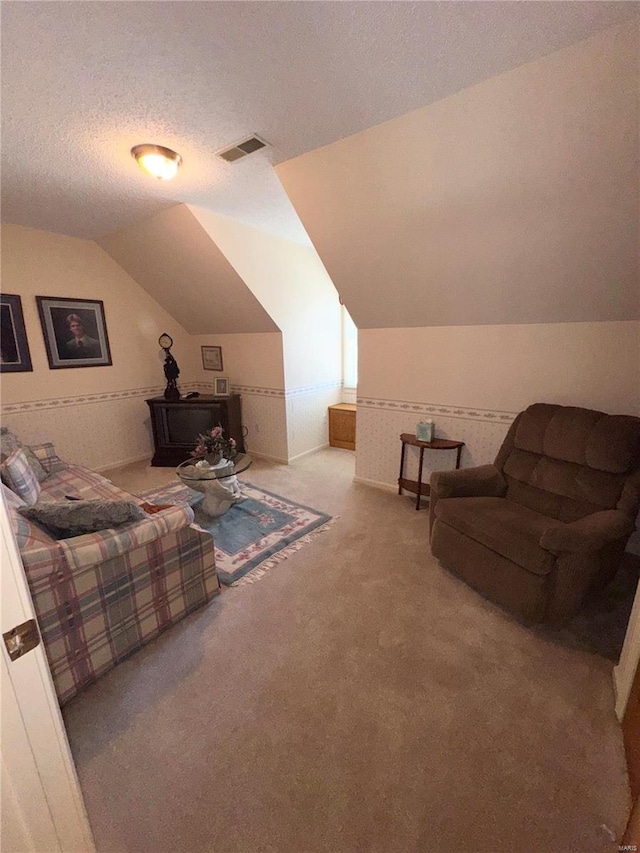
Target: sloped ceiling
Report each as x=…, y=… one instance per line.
x=82, y=82
x=172, y=257
x=514, y=201
x=464, y=215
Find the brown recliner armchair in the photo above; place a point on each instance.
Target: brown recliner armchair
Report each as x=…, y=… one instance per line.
x=550, y=519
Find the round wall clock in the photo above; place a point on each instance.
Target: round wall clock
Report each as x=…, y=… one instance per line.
x=165, y=341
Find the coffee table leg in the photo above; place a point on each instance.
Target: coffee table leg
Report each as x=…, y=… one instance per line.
x=217, y=498
x=234, y=487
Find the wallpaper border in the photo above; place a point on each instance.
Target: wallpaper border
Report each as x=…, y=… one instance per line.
x=288, y=394
x=84, y=399
x=257, y=391
x=460, y=412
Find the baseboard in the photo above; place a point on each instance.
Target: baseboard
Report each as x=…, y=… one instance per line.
x=129, y=461
x=307, y=452
x=386, y=487
x=267, y=458
x=282, y=461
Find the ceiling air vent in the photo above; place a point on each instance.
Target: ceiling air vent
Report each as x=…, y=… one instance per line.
x=241, y=149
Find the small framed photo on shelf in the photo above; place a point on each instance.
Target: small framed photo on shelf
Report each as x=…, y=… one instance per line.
x=221, y=387
x=14, y=356
x=212, y=358
x=75, y=332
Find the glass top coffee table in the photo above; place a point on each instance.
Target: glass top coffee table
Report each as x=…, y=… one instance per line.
x=218, y=483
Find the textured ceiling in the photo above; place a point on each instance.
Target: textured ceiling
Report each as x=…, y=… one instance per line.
x=83, y=82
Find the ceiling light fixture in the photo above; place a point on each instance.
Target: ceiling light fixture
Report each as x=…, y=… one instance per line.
x=157, y=161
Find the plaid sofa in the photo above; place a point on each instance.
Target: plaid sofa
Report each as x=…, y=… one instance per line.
x=101, y=596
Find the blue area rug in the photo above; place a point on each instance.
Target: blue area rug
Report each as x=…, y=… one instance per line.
x=254, y=534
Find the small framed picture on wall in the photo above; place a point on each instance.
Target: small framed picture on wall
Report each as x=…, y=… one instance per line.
x=212, y=358
x=75, y=332
x=221, y=387
x=14, y=349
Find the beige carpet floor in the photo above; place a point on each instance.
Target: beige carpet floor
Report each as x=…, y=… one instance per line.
x=357, y=699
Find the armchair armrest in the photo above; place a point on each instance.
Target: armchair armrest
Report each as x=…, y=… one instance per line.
x=587, y=534
x=91, y=549
x=483, y=481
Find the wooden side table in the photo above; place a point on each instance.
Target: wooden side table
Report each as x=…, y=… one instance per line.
x=417, y=486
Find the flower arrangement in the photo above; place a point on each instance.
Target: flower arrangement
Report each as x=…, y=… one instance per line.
x=214, y=445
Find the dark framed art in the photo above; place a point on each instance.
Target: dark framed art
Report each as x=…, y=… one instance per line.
x=75, y=332
x=212, y=358
x=14, y=348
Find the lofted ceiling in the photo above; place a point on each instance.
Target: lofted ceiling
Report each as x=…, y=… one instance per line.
x=82, y=82
x=174, y=259
x=513, y=201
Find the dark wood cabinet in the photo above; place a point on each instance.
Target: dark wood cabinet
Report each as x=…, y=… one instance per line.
x=177, y=423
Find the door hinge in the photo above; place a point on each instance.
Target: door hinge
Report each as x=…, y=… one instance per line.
x=22, y=639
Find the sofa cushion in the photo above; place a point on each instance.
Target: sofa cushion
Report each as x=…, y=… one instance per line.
x=19, y=476
x=563, y=490
x=82, y=483
x=73, y=518
x=46, y=455
x=9, y=442
x=502, y=525
x=28, y=535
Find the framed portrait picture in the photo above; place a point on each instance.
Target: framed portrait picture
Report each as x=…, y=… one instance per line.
x=14, y=349
x=212, y=358
x=75, y=332
x=221, y=387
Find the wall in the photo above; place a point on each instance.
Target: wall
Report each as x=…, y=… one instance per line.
x=291, y=283
x=486, y=247
x=179, y=265
x=95, y=416
x=472, y=380
x=98, y=417
x=513, y=201
x=254, y=365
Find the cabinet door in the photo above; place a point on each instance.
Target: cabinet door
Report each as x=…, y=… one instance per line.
x=342, y=428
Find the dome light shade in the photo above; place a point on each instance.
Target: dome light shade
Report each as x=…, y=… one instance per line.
x=157, y=161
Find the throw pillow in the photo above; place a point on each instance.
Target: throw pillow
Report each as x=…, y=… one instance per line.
x=19, y=476
x=47, y=457
x=73, y=518
x=10, y=442
x=11, y=499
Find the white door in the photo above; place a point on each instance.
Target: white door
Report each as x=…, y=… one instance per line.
x=41, y=807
